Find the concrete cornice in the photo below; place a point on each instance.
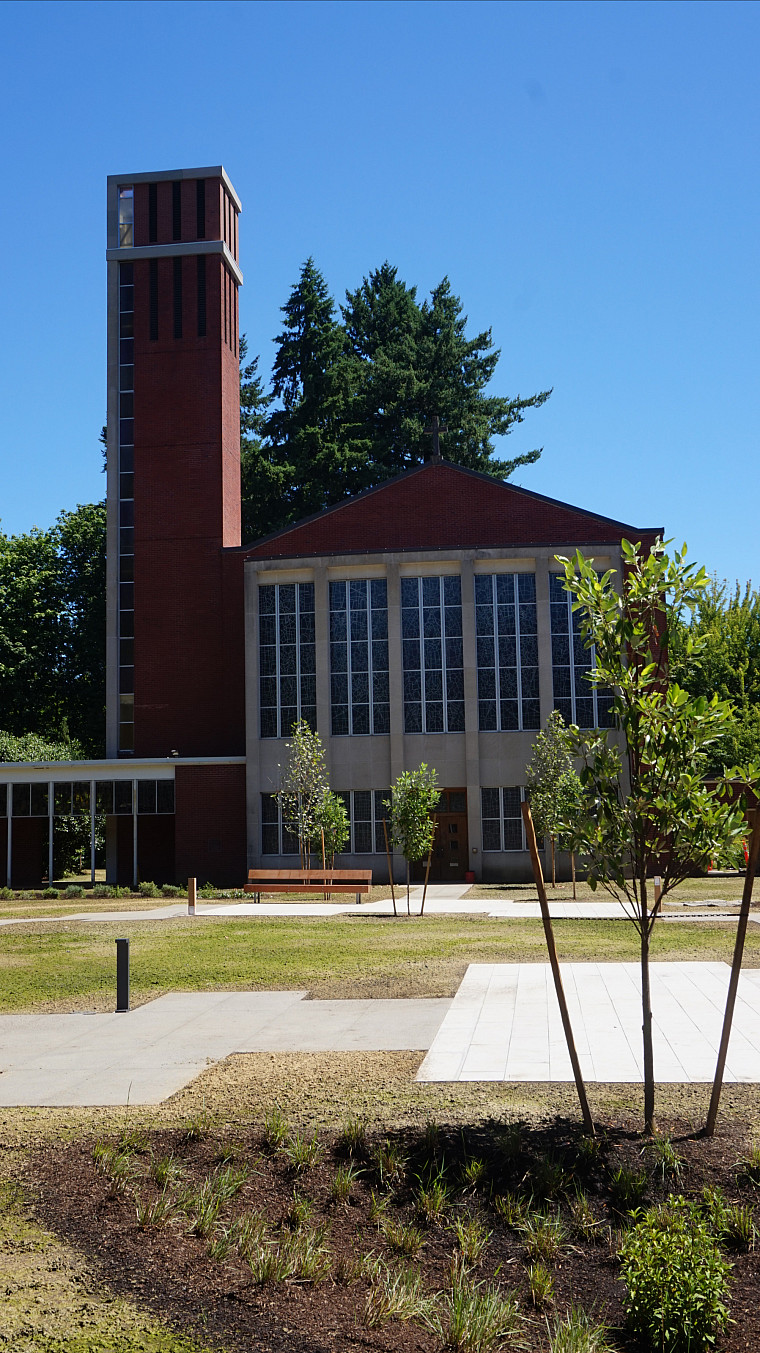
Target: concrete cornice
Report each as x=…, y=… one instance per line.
x=178, y=250
x=163, y=175
x=121, y=768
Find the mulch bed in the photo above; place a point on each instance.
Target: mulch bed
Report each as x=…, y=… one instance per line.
x=168, y=1270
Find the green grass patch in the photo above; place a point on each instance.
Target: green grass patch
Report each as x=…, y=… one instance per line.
x=56, y=965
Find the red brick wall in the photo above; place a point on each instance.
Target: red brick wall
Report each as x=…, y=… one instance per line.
x=188, y=698
x=443, y=507
x=210, y=824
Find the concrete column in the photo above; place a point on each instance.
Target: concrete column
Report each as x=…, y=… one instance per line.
x=545, y=685
x=322, y=640
x=396, y=686
x=252, y=729
x=9, y=856
x=471, y=734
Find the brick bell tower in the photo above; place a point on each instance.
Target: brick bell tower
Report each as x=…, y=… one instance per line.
x=174, y=600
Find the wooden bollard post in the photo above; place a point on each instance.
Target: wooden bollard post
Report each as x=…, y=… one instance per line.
x=191, y=897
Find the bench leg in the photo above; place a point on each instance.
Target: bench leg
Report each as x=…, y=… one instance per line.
x=358, y=899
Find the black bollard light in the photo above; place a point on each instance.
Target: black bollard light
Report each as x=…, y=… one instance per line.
x=122, y=976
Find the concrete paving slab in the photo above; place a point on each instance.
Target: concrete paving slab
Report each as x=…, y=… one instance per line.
x=504, y=1024
x=143, y=1056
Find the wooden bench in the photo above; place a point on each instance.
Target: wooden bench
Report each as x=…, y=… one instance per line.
x=326, y=881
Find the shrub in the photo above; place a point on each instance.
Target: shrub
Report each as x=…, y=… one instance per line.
x=7, y=894
x=676, y=1279
x=147, y=888
x=207, y=890
x=101, y=890
x=73, y=890
x=172, y=890
x=51, y=892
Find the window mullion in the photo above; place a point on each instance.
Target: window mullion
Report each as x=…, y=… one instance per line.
x=571, y=645
x=423, y=683
x=370, y=669
x=298, y=651
x=277, y=659
x=444, y=673
x=496, y=653
x=350, y=693
x=518, y=658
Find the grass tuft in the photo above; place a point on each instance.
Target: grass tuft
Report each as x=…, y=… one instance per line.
x=577, y=1332
x=544, y=1236
x=474, y=1318
x=343, y=1181
x=540, y=1284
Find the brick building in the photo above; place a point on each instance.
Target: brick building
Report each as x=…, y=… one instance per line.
x=420, y=621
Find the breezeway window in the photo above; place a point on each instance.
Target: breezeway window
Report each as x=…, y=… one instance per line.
x=577, y=700
x=287, y=658
x=507, y=643
x=359, y=656
x=431, y=633
x=501, y=818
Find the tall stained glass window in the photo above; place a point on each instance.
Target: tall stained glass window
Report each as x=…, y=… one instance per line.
x=359, y=656
x=507, y=643
x=366, y=810
x=577, y=700
x=287, y=658
x=431, y=633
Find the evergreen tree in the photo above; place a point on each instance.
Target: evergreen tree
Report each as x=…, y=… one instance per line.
x=309, y=383
x=410, y=362
x=263, y=480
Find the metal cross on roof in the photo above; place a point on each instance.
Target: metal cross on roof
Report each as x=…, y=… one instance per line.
x=436, y=427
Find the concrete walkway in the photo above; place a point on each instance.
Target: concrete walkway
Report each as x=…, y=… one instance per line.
x=443, y=899
x=504, y=1024
x=148, y=1054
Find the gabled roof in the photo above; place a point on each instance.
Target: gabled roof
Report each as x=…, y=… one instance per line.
x=443, y=506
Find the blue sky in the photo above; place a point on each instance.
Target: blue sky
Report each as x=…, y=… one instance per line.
x=586, y=175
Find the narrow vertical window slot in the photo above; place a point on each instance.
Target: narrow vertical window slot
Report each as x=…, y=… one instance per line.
x=153, y=297
x=226, y=332
x=152, y=213
x=200, y=208
x=201, y=295
x=177, y=297
x=177, y=210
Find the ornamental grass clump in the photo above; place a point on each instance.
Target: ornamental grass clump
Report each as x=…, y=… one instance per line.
x=676, y=1279
x=475, y=1318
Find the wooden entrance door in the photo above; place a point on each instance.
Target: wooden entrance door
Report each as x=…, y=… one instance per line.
x=449, y=861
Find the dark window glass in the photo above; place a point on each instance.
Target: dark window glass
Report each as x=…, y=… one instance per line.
x=127, y=567
x=126, y=381
x=455, y=716
x=126, y=298
x=126, y=274
x=164, y=796
x=177, y=262
x=80, y=796
x=127, y=540
x=409, y=592
x=126, y=432
x=200, y=208
x=146, y=796
x=104, y=796
x=177, y=209
x=153, y=298
x=127, y=458
x=39, y=800
x=127, y=325
x=126, y=652
x=127, y=624
x=127, y=680
x=21, y=800
x=127, y=485
x=201, y=291
x=126, y=351
x=127, y=512
x=123, y=796
x=152, y=213
x=62, y=798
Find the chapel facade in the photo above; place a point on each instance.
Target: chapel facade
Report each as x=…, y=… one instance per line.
x=422, y=621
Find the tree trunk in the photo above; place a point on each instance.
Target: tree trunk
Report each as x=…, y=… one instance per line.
x=572, y=866
x=408, y=912
x=646, y=1028
x=554, y=869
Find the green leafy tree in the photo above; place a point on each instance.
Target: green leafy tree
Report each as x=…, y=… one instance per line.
x=652, y=812
x=413, y=802
x=303, y=787
x=332, y=826
x=726, y=662
x=555, y=788
x=71, y=840
x=81, y=547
